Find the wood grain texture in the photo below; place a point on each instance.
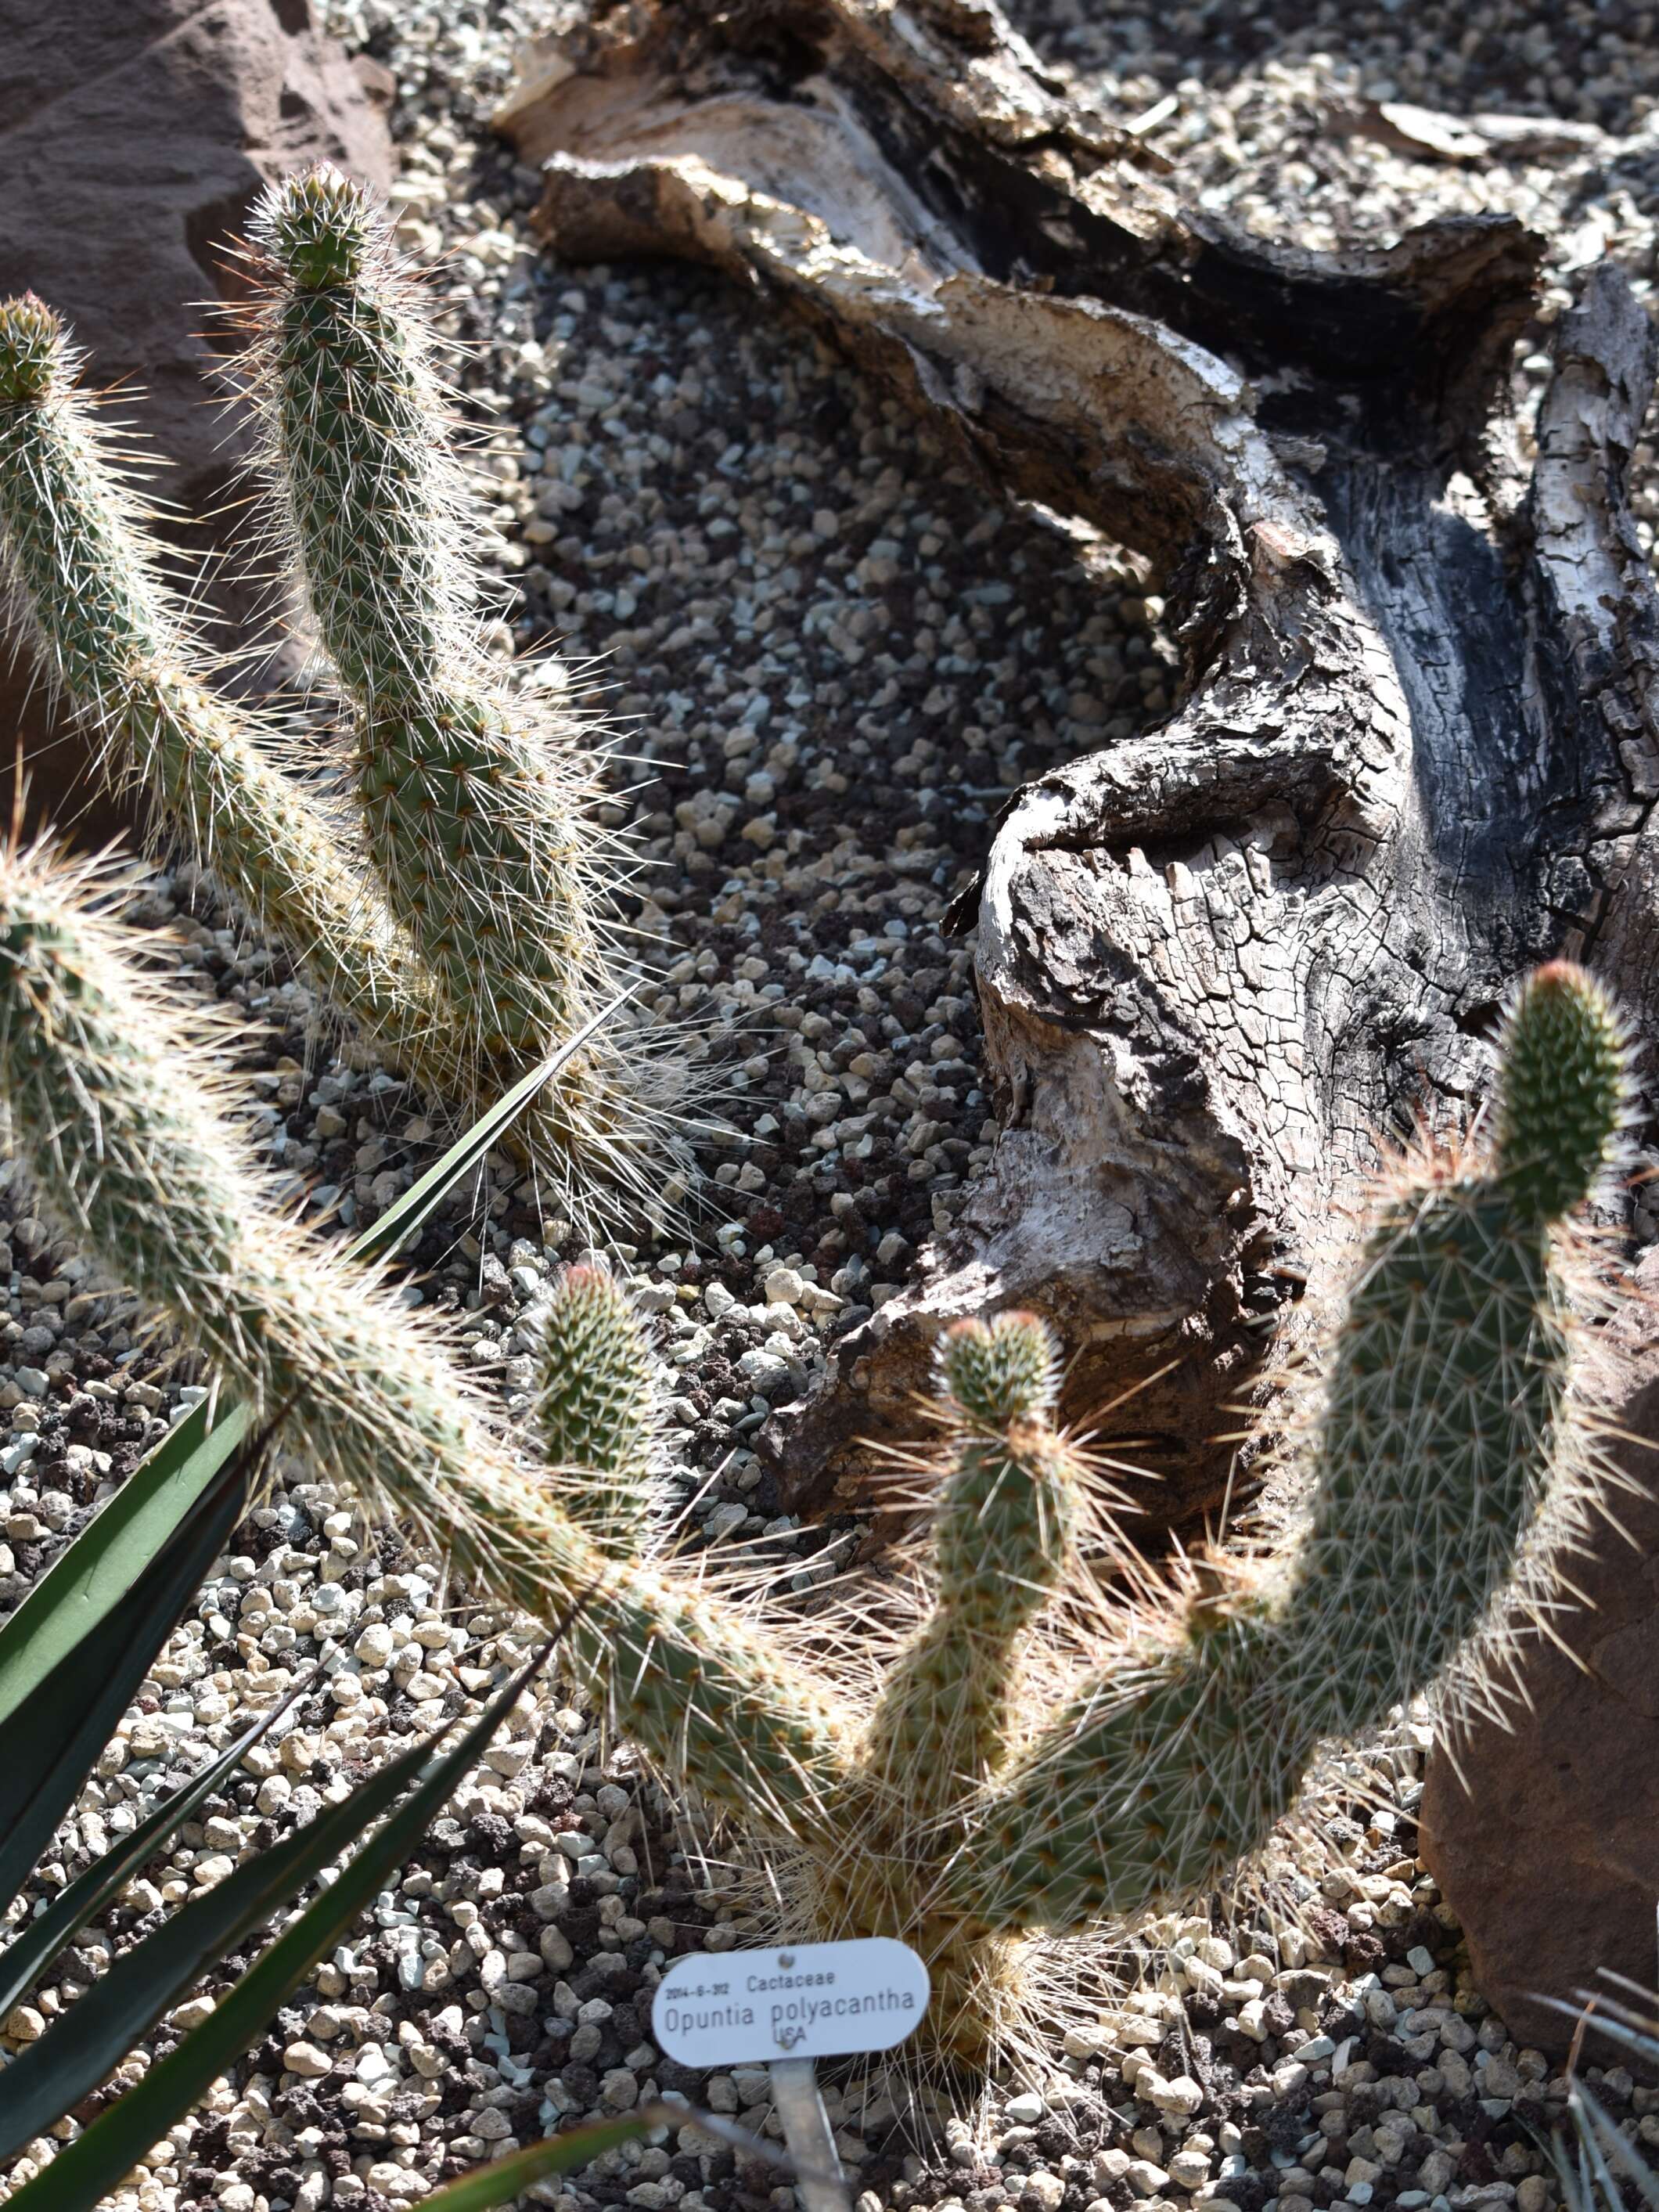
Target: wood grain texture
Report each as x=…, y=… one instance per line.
x=1414, y=751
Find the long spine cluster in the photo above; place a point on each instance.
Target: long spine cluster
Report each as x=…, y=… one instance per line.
x=1449, y=1472
x=464, y=918
x=118, y=1111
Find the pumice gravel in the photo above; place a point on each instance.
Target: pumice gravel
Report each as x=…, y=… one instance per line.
x=827, y=656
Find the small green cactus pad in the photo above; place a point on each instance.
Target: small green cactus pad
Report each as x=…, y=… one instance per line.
x=1563, y=1094
x=598, y=1405
x=35, y=354
x=321, y=229
x=1006, y=1369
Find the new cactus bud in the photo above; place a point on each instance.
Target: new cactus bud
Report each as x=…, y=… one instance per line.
x=599, y=1407
x=34, y=353
x=1006, y=1524
x=1006, y=1371
x=1565, y=1094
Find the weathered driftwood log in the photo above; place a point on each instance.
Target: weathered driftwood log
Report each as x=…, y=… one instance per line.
x=1415, y=746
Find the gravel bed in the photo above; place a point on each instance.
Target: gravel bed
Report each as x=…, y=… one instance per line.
x=827, y=656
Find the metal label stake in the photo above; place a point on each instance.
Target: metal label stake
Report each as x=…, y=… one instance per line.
x=810, y=2140
x=808, y=2001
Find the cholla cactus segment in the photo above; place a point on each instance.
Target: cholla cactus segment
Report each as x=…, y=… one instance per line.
x=1003, y=1371
x=1563, y=1098
x=113, y=640
x=1007, y=1520
x=476, y=815
x=598, y=1406
x=1004, y=1536
x=114, y=1103
x=34, y=355
x=1448, y=1470
x=478, y=840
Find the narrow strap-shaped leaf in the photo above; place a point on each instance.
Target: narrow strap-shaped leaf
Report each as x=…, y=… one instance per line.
x=505, y=2178
x=50, y=1746
x=421, y=1197
x=1573, y=2174
x=90, y=2040
x=84, y=2172
x=22, y=1962
x=1614, y=2022
x=83, y=1585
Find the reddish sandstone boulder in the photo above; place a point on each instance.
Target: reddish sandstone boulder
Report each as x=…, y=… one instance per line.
x=135, y=136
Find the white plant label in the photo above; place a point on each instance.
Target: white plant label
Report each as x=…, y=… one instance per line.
x=804, y=2001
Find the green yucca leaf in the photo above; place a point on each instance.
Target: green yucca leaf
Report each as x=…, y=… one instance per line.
x=504, y=2178
x=22, y=1962
x=52, y=2075
x=90, y=1579
x=402, y=1219
x=48, y=1746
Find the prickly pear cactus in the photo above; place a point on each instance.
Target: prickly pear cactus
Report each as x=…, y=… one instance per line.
x=1011, y=1775
x=478, y=806
x=1448, y=1466
x=476, y=938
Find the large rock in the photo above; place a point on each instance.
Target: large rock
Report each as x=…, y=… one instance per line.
x=136, y=134
x=1544, y=1837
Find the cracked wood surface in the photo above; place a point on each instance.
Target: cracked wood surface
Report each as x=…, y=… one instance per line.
x=1414, y=750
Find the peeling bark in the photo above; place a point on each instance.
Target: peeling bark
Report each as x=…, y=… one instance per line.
x=1414, y=750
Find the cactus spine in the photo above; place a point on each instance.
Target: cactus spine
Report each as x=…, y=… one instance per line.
x=1003, y=1539
x=117, y=1109
x=1447, y=1471
x=961, y=1805
x=475, y=941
